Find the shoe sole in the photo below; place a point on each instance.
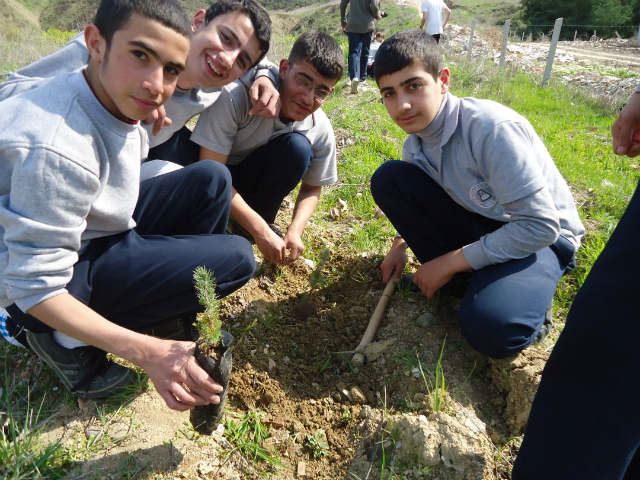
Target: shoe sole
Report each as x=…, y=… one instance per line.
x=124, y=379
x=354, y=86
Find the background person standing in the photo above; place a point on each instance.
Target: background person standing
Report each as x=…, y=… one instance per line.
x=432, y=17
x=359, y=28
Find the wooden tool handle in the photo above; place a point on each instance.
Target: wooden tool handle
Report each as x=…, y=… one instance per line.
x=358, y=358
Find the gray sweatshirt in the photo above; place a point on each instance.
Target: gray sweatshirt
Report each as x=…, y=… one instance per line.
x=490, y=160
x=69, y=177
x=180, y=108
x=362, y=13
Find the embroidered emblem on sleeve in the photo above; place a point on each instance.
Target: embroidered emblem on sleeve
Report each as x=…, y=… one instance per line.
x=482, y=195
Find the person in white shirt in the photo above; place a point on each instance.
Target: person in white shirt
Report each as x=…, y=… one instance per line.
x=378, y=38
x=432, y=17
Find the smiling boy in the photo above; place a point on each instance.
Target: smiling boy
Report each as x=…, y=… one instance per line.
x=229, y=38
x=267, y=158
x=91, y=258
x=477, y=192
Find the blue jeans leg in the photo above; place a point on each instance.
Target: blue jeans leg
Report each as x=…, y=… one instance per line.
x=364, y=56
x=585, y=420
x=144, y=277
x=355, y=52
x=271, y=172
x=504, y=306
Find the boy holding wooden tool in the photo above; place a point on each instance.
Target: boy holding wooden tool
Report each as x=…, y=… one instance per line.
x=477, y=192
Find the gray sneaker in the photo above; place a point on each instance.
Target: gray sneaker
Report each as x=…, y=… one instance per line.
x=354, y=85
x=85, y=371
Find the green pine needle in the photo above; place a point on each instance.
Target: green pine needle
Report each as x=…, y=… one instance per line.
x=208, y=322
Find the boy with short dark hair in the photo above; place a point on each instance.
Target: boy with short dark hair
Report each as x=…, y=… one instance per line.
x=477, y=192
x=229, y=39
x=89, y=257
x=267, y=158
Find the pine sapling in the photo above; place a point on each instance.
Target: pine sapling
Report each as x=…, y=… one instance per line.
x=208, y=322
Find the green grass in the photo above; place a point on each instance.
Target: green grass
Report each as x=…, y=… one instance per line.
x=24, y=46
x=485, y=12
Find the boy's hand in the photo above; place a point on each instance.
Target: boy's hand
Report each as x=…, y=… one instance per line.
x=265, y=98
x=159, y=119
x=271, y=246
x=431, y=276
x=293, y=243
x=177, y=376
x=395, y=260
x=626, y=129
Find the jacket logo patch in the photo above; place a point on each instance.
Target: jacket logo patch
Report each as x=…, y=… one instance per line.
x=482, y=195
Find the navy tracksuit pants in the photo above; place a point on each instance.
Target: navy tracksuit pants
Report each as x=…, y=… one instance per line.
x=143, y=278
x=585, y=419
x=263, y=179
x=504, y=306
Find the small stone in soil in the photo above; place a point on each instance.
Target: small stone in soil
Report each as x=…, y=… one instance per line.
x=426, y=320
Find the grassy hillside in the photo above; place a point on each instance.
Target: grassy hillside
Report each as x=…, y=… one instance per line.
x=327, y=19
x=487, y=12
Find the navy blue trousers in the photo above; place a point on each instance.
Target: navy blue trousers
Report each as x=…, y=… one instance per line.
x=143, y=278
x=359, y=46
x=585, y=419
x=504, y=306
x=263, y=179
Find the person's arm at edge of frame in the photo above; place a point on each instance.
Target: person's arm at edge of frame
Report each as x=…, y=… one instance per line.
x=425, y=17
x=269, y=244
x=343, y=14
x=169, y=364
x=447, y=14
x=306, y=203
x=626, y=128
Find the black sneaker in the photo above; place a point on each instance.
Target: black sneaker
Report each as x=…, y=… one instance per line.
x=276, y=230
x=546, y=326
x=405, y=284
x=85, y=371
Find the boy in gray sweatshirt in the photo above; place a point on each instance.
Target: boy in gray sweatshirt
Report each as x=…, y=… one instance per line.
x=90, y=258
x=477, y=192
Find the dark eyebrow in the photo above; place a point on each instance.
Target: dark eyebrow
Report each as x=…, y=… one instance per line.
x=413, y=79
x=154, y=54
x=310, y=78
x=402, y=84
x=244, y=52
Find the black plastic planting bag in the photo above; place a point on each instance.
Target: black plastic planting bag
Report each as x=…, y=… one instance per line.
x=206, y=418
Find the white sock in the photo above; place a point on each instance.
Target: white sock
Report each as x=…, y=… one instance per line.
x=66, y=341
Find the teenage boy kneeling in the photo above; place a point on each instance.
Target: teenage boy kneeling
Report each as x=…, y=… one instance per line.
x=267, y=158
x=86, y=249
x=477, y=192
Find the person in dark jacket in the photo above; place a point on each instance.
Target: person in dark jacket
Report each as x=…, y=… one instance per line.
x=359, y=27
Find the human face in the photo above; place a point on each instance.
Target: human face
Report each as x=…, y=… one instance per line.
x=298, y=101
x=413, y=97
x=221, y=51
x=139, y=71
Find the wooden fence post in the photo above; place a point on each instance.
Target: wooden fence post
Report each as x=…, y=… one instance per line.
x=505, y=39
x=470, y=52
x=552, y=50
x=638, y=35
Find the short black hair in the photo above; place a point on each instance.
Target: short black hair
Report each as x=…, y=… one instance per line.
x=258, y=16
x=320, y=50
x=405, y=47
x=113, y=15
